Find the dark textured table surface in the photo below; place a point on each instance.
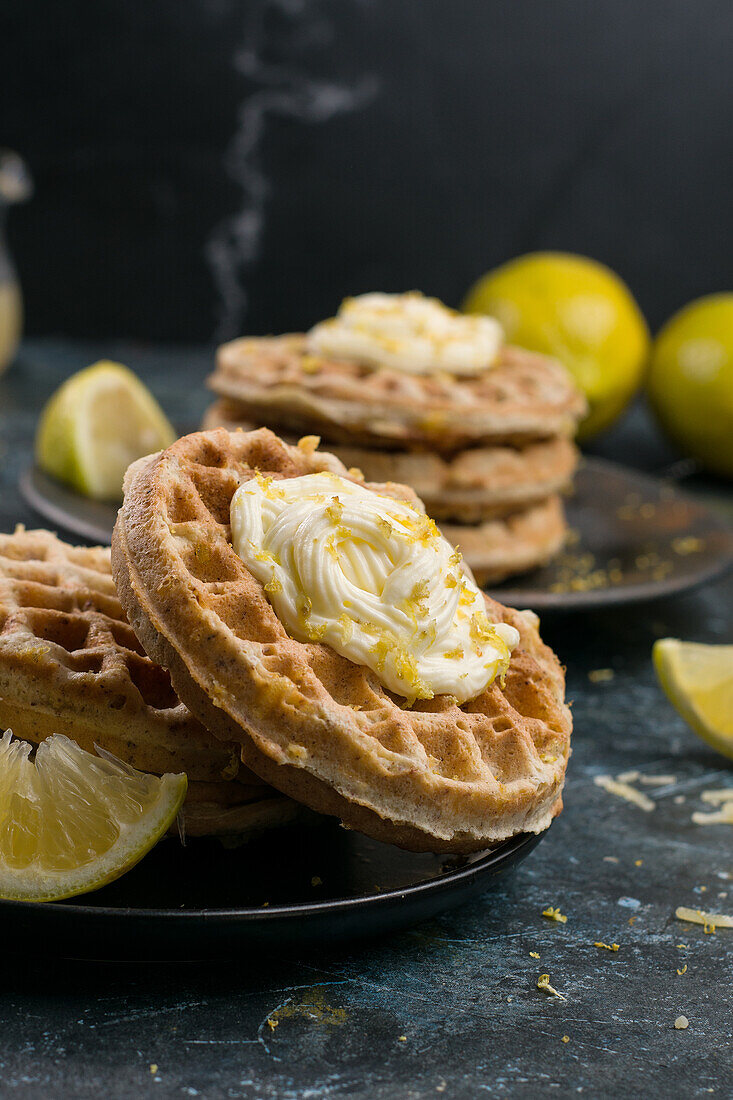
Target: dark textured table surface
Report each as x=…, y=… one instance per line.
x=451, y=1007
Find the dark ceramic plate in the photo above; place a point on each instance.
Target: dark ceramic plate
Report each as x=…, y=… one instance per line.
x=308, y=885
x=634, y=537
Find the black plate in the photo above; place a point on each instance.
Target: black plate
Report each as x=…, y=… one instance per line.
x=307, y=885
x=636, y=537
x=632, y=537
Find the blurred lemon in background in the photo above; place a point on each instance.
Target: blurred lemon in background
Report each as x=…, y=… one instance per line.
x=690, y=381
x=95, y=425
x=578, y=311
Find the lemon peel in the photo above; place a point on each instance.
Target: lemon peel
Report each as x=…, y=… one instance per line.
x=553, y=913
x=543, y=983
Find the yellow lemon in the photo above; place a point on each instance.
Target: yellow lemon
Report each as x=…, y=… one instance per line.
x=578, y=311
x=97, y=423
x=71, y=822
x=698, y=681
x=690, y=381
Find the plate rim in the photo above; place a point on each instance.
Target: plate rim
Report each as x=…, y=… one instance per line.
x=640, y=591
x=496, y=857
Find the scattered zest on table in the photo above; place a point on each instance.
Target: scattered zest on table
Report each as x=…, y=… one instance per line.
x=553, y=913
x=543, y=983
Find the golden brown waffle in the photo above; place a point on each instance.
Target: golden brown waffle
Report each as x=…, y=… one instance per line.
x=471, y=486
x=499, y=548
x=71, y=664
x=524, y=396
x=437, y=777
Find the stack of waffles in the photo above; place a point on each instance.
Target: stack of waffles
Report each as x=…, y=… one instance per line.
x=405, y=390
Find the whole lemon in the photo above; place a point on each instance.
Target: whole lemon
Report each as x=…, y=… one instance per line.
x=578, y=311
x=690, y=381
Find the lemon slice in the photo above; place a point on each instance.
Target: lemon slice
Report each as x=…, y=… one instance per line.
x=71, y=822
x=698, y=680
x=97, y=423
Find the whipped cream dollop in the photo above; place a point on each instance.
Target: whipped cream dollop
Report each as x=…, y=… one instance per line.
x=410, y=333
x=373, y=578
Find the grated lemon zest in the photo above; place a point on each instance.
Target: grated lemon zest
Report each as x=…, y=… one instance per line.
x=335, y=510
x=347, y=628
x=316, y=633
x=606, y=946
x=683, y=970
x=553, y=913
x=309, y=443
x=543, y=983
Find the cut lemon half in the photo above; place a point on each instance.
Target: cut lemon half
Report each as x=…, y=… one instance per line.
x=698, y=681
x=97, y=423
x=71, y=822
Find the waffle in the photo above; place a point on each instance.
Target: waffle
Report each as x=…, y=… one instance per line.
x=499, y=548
x=71, y=664
x=471, y=486
x=522, y=397
x=436, y=777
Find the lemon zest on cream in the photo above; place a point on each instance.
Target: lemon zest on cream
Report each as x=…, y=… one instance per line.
x=373, y=578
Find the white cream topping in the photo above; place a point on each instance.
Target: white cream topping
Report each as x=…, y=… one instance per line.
x=408, y=332
x=373, y=578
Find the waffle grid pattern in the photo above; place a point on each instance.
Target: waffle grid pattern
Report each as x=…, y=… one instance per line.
x=70, y=663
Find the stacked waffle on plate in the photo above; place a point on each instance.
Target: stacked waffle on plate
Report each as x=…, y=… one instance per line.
x=405, y=390
x=71, y=664
x=324, y=626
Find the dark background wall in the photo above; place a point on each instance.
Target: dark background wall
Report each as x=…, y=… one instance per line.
x=205, y=166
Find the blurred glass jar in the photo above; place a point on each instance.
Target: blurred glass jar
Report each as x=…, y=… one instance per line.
x=15, y=186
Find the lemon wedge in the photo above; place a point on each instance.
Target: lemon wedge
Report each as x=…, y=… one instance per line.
x=71, y=822
x=97, y=423
x=698, y=681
